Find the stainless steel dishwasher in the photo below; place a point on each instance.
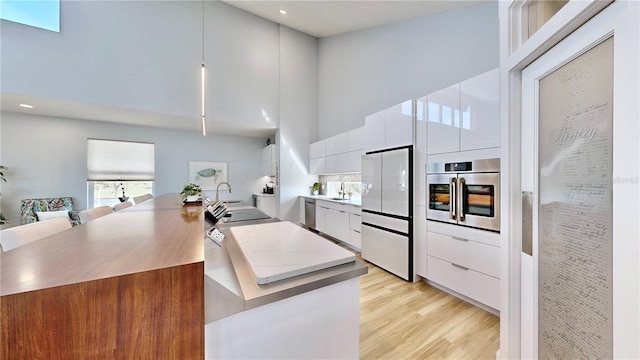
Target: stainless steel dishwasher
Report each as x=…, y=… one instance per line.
x=310, y=213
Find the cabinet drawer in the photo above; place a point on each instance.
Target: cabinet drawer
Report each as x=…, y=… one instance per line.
x=477, y=286
x=476, y=256
x=355, y=220
x=355, y=239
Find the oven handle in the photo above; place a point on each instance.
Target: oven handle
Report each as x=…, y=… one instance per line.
x=462, y=184
x=452, y=198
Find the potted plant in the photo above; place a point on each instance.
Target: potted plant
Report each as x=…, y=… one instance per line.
x=315, y=188
x=191, y=192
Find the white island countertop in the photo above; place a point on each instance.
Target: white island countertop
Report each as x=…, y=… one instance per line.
x=281, y=250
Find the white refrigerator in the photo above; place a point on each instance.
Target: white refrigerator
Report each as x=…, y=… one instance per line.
x=387, y=210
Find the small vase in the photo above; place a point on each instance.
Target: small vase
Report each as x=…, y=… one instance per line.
x=192, y=198
x=315, y=192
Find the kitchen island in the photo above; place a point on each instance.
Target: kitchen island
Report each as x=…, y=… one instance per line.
x=126, y=285
x=311, y=315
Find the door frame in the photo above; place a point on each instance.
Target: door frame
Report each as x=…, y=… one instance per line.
x=516, y=53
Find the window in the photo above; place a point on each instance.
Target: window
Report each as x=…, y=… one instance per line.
x=44, y=14
x=115, y=168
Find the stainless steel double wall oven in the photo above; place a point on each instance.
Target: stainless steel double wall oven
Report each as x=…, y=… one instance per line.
x=465, y=193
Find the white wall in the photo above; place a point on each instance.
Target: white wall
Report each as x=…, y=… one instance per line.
x=366, y=71
x=130, y=54
x=47, y=157
x=298, y=117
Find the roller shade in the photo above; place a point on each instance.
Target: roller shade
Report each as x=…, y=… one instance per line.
x=109, y=160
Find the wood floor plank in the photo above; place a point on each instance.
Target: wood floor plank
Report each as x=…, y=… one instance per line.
x=402, y=320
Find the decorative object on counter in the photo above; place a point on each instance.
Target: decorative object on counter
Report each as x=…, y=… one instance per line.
x=315, y=188
x=191, y=193
x=207, y=174
x=122, y=198
x=269, y=188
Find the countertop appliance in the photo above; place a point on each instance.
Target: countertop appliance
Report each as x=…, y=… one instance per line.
x=310, y=213
x=465, y=193
x=387, y=210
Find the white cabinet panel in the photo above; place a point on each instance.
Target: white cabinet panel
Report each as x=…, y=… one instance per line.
x=337, y=164
x=443, y=120
x=356, y=139
x=480, y=112
x=337, y=224
x=337, y=144
x=420, y=153
x=477, y=286
x=321, y=217
x=318, y=166
x=374, y=131
x=317, y=149
x=354, y=161
x=399, y=125
x=420, y=240
x=266, y=204
x=476, y=256
x=355, y=221
x=269, y=160
x=355, y=239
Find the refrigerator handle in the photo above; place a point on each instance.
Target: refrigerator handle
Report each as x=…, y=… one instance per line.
x=462, y=183
x=452, y=198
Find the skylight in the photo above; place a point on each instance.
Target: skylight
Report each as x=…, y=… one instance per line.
x=43, y=14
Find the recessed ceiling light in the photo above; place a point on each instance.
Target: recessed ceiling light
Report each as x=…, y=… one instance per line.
x=283, y=12
x=27, y=106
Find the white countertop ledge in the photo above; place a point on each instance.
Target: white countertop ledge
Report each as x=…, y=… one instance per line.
x=281, y=250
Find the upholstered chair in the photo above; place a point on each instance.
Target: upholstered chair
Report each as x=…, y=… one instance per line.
x=16, y=236
x=141, y=198
x=30, y=208
x=122, y=205
x=92, y=214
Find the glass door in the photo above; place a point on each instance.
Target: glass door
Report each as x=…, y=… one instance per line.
x=479, y=200
x=441, y=198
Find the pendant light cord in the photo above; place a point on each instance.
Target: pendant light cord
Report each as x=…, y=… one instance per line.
x=202, y=75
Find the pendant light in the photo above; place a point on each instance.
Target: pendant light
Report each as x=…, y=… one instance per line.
x=202, y=76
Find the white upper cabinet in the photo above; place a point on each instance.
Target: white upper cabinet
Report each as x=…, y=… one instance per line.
x=389, y=128
x=480, y=105
x=317, y=149
x=464, y=116
x=399, y=125
x=337, y=144
x=356, y=139
x=374, y=131
x=269, y=160
x=338, y=154
x=420, y=152
x=443, y=120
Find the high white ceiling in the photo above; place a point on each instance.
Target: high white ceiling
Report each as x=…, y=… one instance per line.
x=327, y=18
x=314, y=17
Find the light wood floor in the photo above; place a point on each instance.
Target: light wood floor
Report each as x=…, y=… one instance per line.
x=403, y=320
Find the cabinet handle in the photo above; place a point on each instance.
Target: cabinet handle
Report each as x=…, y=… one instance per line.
x=460, y=267
x=459, y=238
x=342, y=211
x=356, y=214
x=356, y=231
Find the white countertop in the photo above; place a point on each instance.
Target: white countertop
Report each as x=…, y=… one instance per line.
x=353, y=202
x=280, y=250
x=264, y=194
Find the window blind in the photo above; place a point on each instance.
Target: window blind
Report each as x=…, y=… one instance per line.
x=109, y=160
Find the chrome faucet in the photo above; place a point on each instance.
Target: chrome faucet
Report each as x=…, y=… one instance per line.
x=218, y=189
x=342, y=188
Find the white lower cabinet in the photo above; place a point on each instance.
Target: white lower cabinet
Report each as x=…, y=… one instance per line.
x=340, y=221
x=463, y=265
x=420, y=241
x=266, y=204
x=321, y=210
x=337, y=224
